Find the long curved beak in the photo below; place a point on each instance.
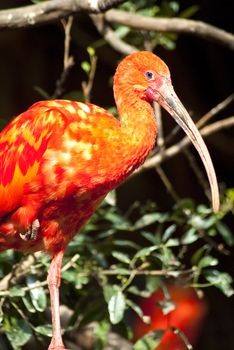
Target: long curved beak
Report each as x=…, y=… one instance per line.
x=168, y=99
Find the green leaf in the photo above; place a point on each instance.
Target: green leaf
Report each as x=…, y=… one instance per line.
x=149, y=11
x=28, y=304
x=111, y=198
x=203, y=210
x=91, y=51
x=115, y=219
x=207, y=261
x=167, y=306
x=44, y=330
x=190, y=236
x=16, y=292
x=138, y=311
x=126, y=243
x=122, y=31
x=149, y=341
x=225, y=232
x=37, y=1
x=108, y=291
x=167, y=41
x=146, y=220
x=151, y=237
x=152, y=283
x=101, y=331
x=38, y=296
x=121, y=257
x=116, y=306
x=146, y=251
x=183, y=337
x=143, y=293
x=168, y=232
x=172, y=242
x=221, y=280
x=197, y=255
x=202, y=223
x=74, y=277
x=85, y=65
x=189, y=12
x=17, y=331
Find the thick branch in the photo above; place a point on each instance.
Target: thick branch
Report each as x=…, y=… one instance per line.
x=109, y=35
x=175, y=25
x=185, y=142
x=52, y=10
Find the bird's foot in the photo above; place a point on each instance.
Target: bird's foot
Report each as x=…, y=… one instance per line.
x=31, y=233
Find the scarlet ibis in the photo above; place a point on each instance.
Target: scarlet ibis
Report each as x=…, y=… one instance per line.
x=60, y=158
x=188, y=316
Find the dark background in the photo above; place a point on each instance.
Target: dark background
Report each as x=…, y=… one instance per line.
x=202, y=74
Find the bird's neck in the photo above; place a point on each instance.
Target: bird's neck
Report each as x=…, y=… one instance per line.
x=138, y=125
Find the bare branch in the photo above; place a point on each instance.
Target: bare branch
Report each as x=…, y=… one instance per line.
x=219, y=247
x=185, y=142
x=110, y=36
x=110, y=272
x=175, y=25
x=19, y=271
x=88, y=85
x=167, y=183
x=49, y=11
x=67, y=30
x=68, y=61
x=23, y=270
x=161, y=147
x=205, y=118
x=197, y=171
x=215, y=110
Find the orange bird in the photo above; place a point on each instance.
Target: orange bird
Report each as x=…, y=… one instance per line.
x=59, y=159
x=188, y=317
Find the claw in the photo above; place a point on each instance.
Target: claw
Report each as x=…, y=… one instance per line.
x=31, y=233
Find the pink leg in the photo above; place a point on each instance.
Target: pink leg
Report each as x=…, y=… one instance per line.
x=53, y=279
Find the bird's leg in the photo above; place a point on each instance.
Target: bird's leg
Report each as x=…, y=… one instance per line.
x=54, y=276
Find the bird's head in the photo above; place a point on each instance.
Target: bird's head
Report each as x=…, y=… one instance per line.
x=148, y=78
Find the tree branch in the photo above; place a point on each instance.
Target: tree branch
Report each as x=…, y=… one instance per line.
x=215, y=110
x=52, y=10
x=68, y=60
x=109, y=35
x=19, y=271
x=175, y=25
x=185, y=142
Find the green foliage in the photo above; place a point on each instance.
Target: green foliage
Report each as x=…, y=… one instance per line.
x=149, y=341
x=150, y=39
x=17, y=331
x=120, y=258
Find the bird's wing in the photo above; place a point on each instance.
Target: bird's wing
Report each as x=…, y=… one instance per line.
x=22, y=145
x=36, y=137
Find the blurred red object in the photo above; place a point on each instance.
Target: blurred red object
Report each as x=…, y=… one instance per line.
x=188, y=317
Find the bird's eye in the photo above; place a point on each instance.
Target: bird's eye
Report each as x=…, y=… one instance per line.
x=149, y=75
